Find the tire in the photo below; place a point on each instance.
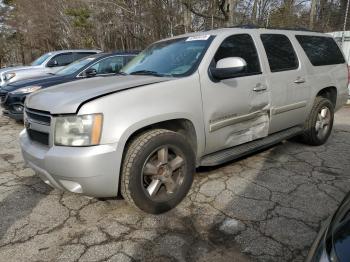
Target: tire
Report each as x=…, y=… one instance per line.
x=153, y=180
x=313, y=135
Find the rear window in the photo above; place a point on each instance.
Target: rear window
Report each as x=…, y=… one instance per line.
x=280, y=52
x=321, y=50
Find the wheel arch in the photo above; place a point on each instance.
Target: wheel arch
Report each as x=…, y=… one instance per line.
x=182, y=125
x=329, y=92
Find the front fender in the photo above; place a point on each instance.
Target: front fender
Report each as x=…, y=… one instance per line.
x=128, y=111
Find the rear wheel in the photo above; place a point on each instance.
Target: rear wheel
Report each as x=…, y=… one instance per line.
x=157, y=170
x=320, y=123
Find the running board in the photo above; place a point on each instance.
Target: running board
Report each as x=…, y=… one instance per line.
x=232, y=153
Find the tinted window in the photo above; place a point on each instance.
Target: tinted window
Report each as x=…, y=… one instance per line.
x=280, y=52
x=240, y=46
x=63, y=59
x=41, y=59
x=76, y=66
x=109, y=65
x=83, y=54
x=321, y=50
x=128, y=58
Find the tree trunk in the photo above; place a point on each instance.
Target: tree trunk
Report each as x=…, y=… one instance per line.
x=255, y=5
x=312, y=14
x=230, y=7
x=187, y=20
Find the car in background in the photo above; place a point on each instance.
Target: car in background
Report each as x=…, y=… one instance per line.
x=12, y=96
x=48, y=63
x=333, y=242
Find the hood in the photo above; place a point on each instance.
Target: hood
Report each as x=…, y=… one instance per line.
x=43, y=81
x=66, y=98
x=7, y=69
x=16, y=69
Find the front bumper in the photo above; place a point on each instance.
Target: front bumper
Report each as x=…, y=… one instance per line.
x=92, y=171
x=15, y=116
x=13, y=106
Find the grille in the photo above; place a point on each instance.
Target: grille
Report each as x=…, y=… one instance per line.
x=40, y=137
x=37, y=116
x=35, y=120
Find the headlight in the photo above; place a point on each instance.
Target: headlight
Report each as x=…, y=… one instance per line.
x=82, y=130
x=9, y=76
x=26, y=90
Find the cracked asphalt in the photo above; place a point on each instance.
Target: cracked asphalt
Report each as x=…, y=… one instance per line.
x=266, y=207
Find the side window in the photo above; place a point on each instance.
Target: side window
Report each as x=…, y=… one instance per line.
x=109, y=65
x=280, y=52
x=240, y=46
x=61, y=60
x=128, y=59
x=321, y=50
x=83, y=54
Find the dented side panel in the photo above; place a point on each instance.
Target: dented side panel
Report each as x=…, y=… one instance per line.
x=235, y=111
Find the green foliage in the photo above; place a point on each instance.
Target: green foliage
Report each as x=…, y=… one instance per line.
x=80, y=17
x=8, y=2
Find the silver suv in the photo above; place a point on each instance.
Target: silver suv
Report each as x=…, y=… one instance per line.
x=46, y=64
x=199, y=99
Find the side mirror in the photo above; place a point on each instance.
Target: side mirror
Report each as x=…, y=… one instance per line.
x=91, y=72
x=228, y=68
x=52, y=63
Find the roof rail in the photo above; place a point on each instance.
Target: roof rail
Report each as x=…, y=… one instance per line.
x=252, y=26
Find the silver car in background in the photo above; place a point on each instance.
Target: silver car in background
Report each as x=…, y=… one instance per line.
x=48, y=63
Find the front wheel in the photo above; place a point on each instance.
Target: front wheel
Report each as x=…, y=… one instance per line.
x=320, y=123
x=157, y=170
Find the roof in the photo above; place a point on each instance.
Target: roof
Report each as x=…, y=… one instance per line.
x=245, y=29
x=75, y=50
x=103, y=55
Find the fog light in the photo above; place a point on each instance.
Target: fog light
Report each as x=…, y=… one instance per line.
x=18, y=108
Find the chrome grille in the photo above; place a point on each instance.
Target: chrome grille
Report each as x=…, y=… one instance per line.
x=38, y=125
x=41, y=117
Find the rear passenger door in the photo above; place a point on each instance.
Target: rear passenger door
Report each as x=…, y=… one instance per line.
x=287, y=81
x=236, y=109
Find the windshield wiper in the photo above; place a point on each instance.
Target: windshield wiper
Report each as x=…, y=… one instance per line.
x=147, y=72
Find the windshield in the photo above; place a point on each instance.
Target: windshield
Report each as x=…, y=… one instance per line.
x=76, y=66
x=41, y=59
x=175, y=57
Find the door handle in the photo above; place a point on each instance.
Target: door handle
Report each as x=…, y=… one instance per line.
x=259, y=87
x=299, y=80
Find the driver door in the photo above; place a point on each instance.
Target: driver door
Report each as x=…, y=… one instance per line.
x=236, y=109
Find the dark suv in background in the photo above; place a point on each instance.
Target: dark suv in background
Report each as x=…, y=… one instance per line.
x=103, y=64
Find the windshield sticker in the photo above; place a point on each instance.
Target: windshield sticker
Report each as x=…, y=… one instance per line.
x=198, y=38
